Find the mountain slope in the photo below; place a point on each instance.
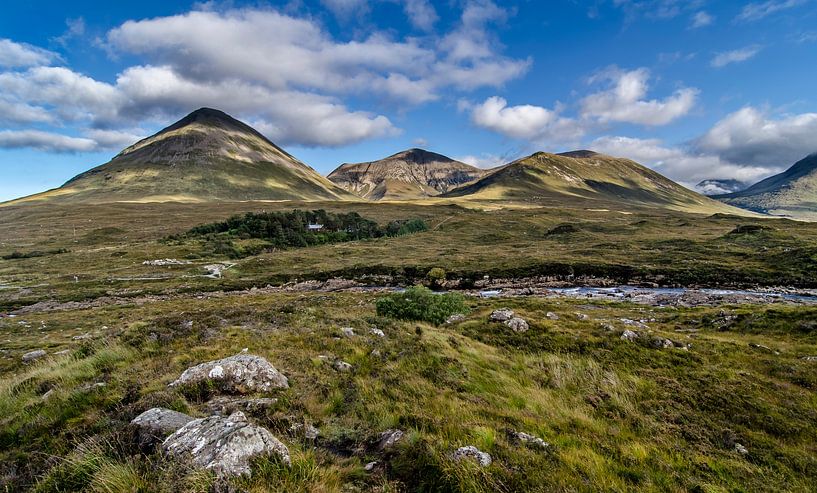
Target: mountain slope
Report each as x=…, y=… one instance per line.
x=583, y=175
x=410, y=174
x=206, y=156
x=790, y=193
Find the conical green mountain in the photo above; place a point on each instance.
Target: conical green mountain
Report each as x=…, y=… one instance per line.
x=206, y=156
x=790, y=193
x=411, y=174
x=584, y=177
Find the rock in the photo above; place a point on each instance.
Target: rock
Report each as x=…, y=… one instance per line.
x=389, y=439
x=517, y=324
x=376, y=353
x=634, y=323
x=741, y=449
x=458, y=317
x=629, y=335
x=608, y=327
x=153, y=425
x=377, y=332
x=60, y=353
x=472, y=453
x=582, y=316
x=348, y=331
x=308, y=431
x=83, y=337
x=342, y=366
x=225, y=406
x=501, y=315
x=662, y=343
x=33, y=355
x=552, y=316
x=225, y=446
x=370, y=466
x=528, y=440
x=809, y=358
x=241, y=373
x=763, y=348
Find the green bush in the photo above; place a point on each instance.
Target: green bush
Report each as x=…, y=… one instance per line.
x=420, y=303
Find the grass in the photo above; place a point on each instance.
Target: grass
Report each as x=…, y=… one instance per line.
x=619, y=416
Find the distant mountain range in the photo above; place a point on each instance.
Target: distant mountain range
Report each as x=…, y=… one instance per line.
x=411, y=174
x=208, y=156
x=791, y=193
x=205, y=156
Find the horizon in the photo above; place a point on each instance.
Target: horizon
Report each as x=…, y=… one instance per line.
x=350, y=81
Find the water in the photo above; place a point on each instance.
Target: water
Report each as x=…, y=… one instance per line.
x=624, y=291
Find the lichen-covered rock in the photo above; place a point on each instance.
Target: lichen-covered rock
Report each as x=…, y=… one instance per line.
x=529, y=440
x=457, y=317
x=552, y=316
x=241, y=373
x=472, y=453
x=517, y=324
x=389, y=439
x=154, y=425
x=501, y=315
x=662, y=343
x=33, y=355
x=377, y=332
x=629, y=335
x=225, y=446
x=224, y=405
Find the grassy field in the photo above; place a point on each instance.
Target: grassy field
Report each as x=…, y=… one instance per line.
x=617, y=415
x=104, y=248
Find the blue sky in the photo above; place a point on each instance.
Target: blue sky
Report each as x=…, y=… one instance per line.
x=696, y=89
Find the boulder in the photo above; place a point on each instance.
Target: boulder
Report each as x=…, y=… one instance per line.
x=528, y=440
x=582, y=316
x=552, y=316
x=809, y=358
x=33, y=355
x=348, y=332
x=225, y=446
x=629, y=335
x=472, y=453
x=517, y=324
x=377, y=332
x=154, y=425
x=501, y=315
x=225, y=406
x=241, y=373
x=342, y=366
x=662, y=343
x=457, y=317
x=741, y=449
x=389, y=439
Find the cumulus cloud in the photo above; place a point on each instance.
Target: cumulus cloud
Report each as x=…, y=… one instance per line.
x=759, y=10
x=735, y=56
x=421, y=14
x=624, y=100
x=526, y=121
x=701, y=19
x=683, y=165
x=484, y=161
x=749, y=136
x=23, y=55
x=13, y=112
x=44, y=141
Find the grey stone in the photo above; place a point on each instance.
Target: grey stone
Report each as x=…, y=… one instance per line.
x=225, y=406
x=552, y=316
x=348, y=331
x=741, y=449
x=370, y=466
x=472, y=453
x=662, y=343
x=377, y=332
x=153, y=425
x=809, y=358
x=582, y=316
x=225, y=446
x=389, y=439
x=629, y=335
x=501, y=315
x=457, y=317
x=517, y=324
x=33, y=355
x=241, y=373
x=342, y=366
x=529, y=440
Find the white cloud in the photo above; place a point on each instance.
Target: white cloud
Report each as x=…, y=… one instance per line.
x=524, y=121
x=421, y=13
x=44, y=141
x=701, y=19
x=114, y=139
x=17, y=112
x=484, y=161
x=735, y=56
x=624, y=100
x=759, y=10
x=681, y=165
x=23, y=55
x=751, y=137
x=346, y=8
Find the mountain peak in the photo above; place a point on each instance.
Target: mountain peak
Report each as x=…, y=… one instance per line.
x=421, y=156
x=579, y=154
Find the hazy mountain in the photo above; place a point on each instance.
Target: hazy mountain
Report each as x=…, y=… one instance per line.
x=582, y=175
x=206, y=156
x=410, y=174
x=719, y=187
x=790, y=193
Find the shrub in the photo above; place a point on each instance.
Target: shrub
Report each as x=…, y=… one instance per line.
x=421, y=304
x=436, y=276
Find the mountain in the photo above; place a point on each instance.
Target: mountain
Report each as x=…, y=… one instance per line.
x=719, y=187
x=583, y=175
x=790, y=193
x=205, y=156
x=410, y=174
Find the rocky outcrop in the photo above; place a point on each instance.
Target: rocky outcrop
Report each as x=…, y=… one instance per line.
x=225, y=446
x=389, y=439
x=34, y=355
x=528, y=440
x=241, y=373
x=472, y=453
x=518, y=324
x=501, y=315
x=154, y=425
